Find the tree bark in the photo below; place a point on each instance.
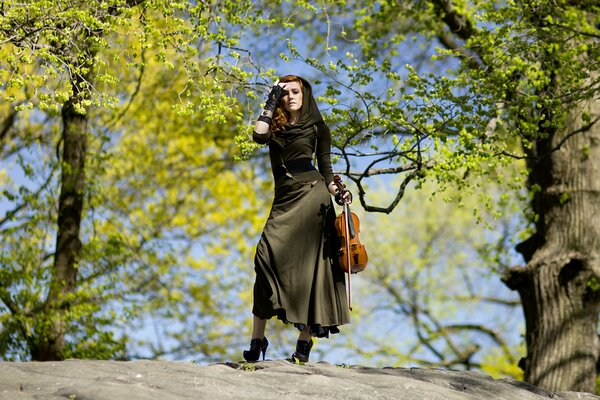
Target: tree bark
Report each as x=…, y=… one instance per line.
x=559, y=285
x=49, y=345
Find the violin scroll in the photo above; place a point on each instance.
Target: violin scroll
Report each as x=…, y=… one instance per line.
x=343, y=195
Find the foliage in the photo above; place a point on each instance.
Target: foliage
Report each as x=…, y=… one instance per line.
x=169, y=219
x=439, y=117
x=428, y=297
x=164, y=203
x=488, y=85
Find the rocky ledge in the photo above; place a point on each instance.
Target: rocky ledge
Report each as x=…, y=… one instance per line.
x=167, y=380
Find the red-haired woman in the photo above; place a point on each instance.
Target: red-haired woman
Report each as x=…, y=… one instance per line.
x=297, y=278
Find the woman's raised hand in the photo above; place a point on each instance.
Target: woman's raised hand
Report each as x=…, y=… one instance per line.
x=275, y=95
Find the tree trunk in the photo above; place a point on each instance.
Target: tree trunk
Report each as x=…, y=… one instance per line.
x=560, y=285
x=49, y=344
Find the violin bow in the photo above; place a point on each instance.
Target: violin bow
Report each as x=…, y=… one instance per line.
x=347, y=221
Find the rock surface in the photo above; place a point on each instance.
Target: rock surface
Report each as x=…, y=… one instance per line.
x=132, y=380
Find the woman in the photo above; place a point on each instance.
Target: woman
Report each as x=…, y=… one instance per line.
x=297, y=279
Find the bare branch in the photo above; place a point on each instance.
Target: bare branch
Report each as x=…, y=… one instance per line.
x=361, y=193
x=486, y=331
x=492, y=300
x=444, y=364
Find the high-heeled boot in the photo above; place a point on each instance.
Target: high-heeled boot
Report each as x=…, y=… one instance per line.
x=302, y=352
x=257, y=346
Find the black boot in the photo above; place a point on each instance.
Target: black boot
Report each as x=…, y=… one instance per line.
x=257, y=346
x=302, y=350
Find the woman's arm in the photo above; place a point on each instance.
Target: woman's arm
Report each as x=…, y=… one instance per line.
x=323, y=152
x=261, y=132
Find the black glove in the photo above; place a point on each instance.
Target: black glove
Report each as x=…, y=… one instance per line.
x=277, y=92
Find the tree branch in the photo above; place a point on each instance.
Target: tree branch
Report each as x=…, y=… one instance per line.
x=8, y=302
x=472, y=61
x=8, y=122
x=460, y=26
x=136, y=91
x=492, y=300
x=583, y=129
x=557, y=147
x=584, y=5
x=11, y=213
x=458, y=23
x=394, y=203
x=486, y=331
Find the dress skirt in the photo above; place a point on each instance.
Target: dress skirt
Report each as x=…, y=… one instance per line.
x=297, y=277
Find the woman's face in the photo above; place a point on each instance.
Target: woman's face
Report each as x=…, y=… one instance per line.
x=292, y=101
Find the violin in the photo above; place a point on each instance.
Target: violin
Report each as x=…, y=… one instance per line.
x=352, y=255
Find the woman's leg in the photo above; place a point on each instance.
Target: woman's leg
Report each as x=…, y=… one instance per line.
x=305, y=334
x=258, y=343
x=303, y=346
x=258, y=328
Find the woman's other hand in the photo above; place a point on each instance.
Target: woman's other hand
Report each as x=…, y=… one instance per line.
x=340, y=198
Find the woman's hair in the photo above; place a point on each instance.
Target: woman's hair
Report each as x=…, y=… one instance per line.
x=281, y=116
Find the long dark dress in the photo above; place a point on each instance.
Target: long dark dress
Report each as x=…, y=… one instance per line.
x=297, y=278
